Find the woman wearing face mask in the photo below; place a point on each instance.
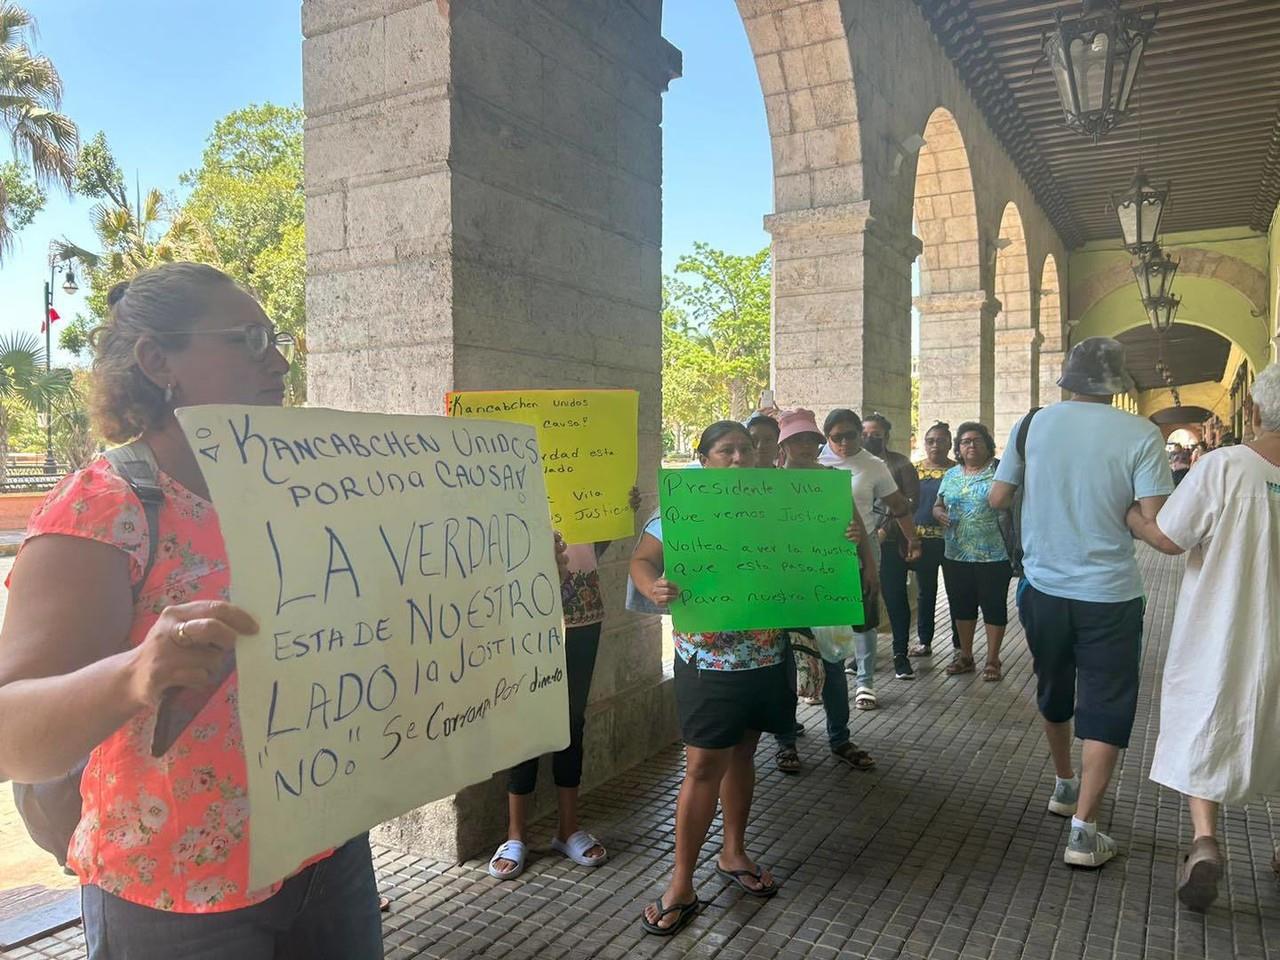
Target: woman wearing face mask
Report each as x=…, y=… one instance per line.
x=872, y=484
x=800, y=444
x=730, y=687
x=876, y=431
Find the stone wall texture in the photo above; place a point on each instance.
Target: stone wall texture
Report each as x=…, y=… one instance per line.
x=849, y=88
x=483, y=187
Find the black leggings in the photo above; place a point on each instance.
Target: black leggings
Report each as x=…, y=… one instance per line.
x=974, y=585
x=932, y=550
x=580, y=646
x=893, y=586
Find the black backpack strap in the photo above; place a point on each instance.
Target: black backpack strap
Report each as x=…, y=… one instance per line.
x=136, y=464
x=1023, y=429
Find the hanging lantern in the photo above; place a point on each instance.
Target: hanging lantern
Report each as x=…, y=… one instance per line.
x=1095, y=62
x=1139, y=211
x=1154, y=273
x=1162, y=312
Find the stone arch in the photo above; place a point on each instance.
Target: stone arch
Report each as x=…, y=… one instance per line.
x=1207, y=302
x=957, y=359
x=1247, y=279
x=1052, y=329
x=945, y=210
x=806, y=76
x=837, y=277
x=1017, y=341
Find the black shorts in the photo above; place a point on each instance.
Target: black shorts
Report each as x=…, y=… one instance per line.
x=718, y=707
x=974, y=586
x=1088, y=659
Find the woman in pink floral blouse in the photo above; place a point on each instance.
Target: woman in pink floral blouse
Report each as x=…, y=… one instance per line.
x=162, y=847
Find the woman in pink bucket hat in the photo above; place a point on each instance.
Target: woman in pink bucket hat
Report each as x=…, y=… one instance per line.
x=799, y=442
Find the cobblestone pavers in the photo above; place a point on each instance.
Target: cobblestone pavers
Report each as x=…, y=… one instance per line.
x=944, y=852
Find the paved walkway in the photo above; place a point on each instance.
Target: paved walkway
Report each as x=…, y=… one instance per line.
x=944, y=852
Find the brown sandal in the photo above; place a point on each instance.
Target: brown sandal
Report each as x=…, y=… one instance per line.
x=992, y=671
x=1198, y=885
x=961, y=664
x=851, y=754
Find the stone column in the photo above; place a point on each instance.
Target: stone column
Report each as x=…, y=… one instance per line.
x=841, y=311
x=483, y=185
x=1050, y=370
x=957, y=357
x=1017, y=356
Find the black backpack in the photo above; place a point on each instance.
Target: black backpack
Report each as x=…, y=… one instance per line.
x=1011, y=519
x=51, y=810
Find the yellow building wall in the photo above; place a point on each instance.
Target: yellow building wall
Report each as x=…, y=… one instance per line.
x=1236, y=294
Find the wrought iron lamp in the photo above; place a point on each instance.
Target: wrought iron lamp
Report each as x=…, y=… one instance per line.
x=1162, y=312
x=1095, y=60
x=1140, y=210
x=1154, y=273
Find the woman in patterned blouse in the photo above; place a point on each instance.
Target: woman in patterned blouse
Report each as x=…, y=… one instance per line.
x=90, y=646
x=729, y=687
x=976, y=565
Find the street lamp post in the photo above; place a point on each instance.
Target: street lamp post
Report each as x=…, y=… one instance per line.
x=69, y=286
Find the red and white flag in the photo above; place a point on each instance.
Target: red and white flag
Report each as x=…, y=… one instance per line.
x=53, y=315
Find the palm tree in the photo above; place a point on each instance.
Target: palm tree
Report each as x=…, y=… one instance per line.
x=129, y=238
x=24, y=383
x=30, y=96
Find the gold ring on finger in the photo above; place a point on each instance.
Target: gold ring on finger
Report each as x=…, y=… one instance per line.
x=182, y=634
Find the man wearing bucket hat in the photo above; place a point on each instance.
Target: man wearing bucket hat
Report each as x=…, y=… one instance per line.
x=1081, y=597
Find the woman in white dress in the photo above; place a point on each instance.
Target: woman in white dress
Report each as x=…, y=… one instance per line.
x=1220, y=701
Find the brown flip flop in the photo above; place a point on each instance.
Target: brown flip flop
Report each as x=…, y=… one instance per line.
x=1198, y=884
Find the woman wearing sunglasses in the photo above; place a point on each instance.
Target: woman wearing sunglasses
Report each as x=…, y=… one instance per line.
x=162, y=846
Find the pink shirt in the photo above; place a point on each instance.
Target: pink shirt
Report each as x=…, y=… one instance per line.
x=170, y=832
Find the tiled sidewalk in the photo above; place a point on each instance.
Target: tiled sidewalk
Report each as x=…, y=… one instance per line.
x=943, y=852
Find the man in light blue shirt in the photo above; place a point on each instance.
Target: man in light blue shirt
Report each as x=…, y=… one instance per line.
x=1081, y=601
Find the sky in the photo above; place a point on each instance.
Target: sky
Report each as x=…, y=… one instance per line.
x=156, y=74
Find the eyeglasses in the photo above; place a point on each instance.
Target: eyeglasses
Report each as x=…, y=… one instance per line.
x=256, y=337
x=844, y=437
x=971, y=441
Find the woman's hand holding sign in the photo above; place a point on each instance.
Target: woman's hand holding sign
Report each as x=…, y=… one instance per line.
x=186, y=647
x=663, y=592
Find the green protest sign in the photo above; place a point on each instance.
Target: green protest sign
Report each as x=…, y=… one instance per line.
x=752, y=549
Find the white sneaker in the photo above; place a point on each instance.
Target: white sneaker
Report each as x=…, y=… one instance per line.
x=1088, y=851
x=1066, y=794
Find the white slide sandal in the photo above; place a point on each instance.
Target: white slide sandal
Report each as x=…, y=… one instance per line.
x=576, y=847
x=512, y=850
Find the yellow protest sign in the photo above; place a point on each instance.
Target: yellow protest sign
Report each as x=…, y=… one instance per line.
x=588, y=444
x=403, y=573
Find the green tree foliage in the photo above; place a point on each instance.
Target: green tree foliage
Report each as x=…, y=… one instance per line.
x=715, y=339
x=131, y=235
x=247, y=195
x=21, y=198
x=74, y=441
x=44, y=141
x=25, y=385
x=243, y=214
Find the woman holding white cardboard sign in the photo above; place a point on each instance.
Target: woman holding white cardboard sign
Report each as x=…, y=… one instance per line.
x=730, y=687
x=162, y=845
x=118, y=598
